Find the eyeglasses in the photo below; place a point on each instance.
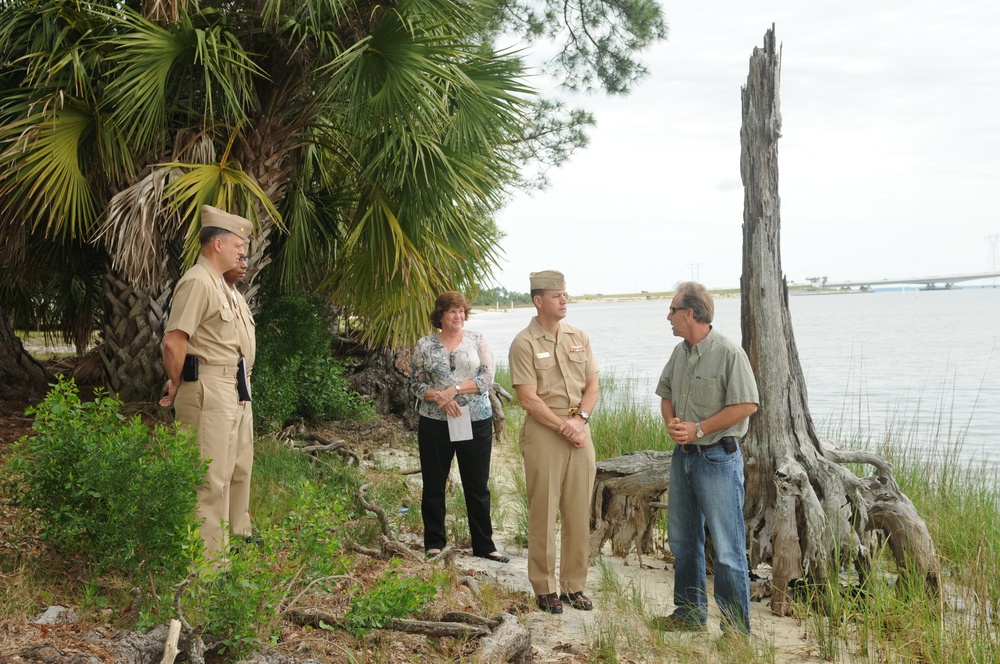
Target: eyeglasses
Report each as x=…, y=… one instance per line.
x=674, y=310
x=242, y=259
x=451, y=360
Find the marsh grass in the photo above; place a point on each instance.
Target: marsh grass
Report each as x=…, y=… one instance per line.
x=889, y=620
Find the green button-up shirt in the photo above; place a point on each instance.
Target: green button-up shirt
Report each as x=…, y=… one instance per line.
x=703, y=379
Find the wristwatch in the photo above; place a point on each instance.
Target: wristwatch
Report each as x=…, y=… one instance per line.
x=697, y=429
x=584, y=415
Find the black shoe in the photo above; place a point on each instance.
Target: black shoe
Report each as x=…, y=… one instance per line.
x=578, y=601
x=549, y=603
x=495, y=556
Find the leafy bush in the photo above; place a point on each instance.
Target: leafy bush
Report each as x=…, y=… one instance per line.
x=294, y=374
x=244, y=604
x=106, y=487
x=393, y=596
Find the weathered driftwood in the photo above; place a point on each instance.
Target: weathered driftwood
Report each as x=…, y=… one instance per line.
x=509, y=642
x=622, y=510
x=497, y=396
x=806, y=512
x=325, y=445
x=313, y=618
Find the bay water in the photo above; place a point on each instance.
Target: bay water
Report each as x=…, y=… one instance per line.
x=920, y=368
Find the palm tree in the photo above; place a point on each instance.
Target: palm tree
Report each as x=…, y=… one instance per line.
x=377, y=138
x=381, y=133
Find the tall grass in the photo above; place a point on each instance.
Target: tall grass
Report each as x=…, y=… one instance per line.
x=887, y=620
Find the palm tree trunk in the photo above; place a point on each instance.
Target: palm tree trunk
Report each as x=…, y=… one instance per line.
x=134, y=320
x=22, y=378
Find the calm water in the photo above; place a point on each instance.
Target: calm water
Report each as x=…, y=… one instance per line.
x=922, y=364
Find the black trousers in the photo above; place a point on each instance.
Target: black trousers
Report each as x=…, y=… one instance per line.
x=436, y=453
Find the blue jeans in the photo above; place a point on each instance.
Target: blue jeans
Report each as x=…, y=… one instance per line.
x=706, y=488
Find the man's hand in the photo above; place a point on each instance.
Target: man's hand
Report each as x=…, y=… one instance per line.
x=572, y=430
x=682, y=432
x=169, y=393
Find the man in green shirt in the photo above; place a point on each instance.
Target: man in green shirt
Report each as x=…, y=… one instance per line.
x=708, y=394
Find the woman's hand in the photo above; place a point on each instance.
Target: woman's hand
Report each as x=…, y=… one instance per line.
x=452, y=408
x=445, y=396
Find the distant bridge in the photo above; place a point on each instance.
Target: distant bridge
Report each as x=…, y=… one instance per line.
x=941, y=282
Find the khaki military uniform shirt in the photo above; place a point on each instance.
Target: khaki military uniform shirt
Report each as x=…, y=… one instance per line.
x=703, y=379
x=203, y=308
x=246, y=327
x=559, y=370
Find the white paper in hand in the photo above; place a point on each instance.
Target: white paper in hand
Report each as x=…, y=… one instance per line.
x=460, y=428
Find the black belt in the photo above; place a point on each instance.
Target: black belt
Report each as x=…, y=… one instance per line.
x=692, y=448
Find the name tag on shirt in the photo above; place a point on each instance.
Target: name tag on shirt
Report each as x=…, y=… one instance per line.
x=542, y=356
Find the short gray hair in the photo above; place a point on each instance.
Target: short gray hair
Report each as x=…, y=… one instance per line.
x=696, y=297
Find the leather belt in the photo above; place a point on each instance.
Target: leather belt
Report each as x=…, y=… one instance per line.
x=692, y=448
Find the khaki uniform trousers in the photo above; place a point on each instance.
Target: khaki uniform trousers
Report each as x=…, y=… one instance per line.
x=210, y=404
x=239, y=487
x=560, y=479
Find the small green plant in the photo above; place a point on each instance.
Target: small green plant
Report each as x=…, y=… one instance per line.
x=105, y=486
x=391, y=597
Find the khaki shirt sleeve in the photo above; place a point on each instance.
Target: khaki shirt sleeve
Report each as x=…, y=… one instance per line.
x=189, y=307
x=520, y=359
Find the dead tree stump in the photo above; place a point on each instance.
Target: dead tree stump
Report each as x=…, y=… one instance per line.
x=806, y=512
x=621, y=509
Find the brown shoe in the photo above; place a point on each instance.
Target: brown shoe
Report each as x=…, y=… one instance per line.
x=549, y=603
x=578, y=601
x=674, y=623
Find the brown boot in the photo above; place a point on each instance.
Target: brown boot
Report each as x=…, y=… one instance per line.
x=549, y=603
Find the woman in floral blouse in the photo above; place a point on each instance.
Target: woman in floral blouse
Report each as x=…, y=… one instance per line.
x=452, y=369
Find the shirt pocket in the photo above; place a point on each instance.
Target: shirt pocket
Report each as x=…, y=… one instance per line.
x=545, y=373
x=708, y=391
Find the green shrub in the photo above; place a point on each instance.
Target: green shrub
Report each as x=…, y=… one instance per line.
x=107, y=487
x=295, y=374
x=243, y=605
x=391, y=597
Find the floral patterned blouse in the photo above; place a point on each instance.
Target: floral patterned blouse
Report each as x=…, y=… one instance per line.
x=435, y=366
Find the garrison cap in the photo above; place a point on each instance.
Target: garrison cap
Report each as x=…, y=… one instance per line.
x=211, y=216
x=548, y=280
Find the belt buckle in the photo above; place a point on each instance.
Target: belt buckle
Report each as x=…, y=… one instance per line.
x=573, y=411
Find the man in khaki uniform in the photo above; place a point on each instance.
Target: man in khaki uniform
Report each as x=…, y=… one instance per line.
x=203, y=325
x=239, y=487
x=554, y=373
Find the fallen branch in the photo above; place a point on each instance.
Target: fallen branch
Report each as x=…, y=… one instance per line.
x=383, y=518
x=314, y=618
x=509, y=642
x=471, y=584
x=326, y=445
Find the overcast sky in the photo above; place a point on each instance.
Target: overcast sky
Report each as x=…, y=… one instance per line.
x=889, y=157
